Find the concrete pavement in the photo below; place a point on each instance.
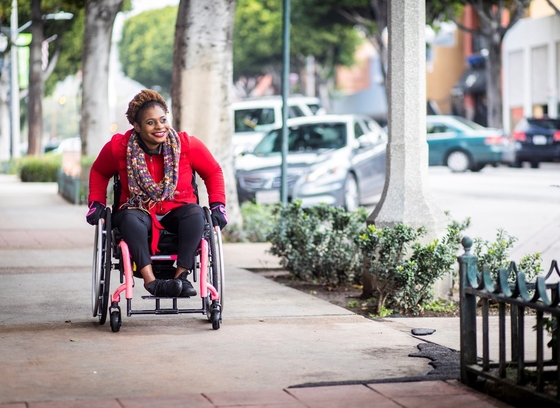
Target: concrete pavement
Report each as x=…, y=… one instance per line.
x=275, y=346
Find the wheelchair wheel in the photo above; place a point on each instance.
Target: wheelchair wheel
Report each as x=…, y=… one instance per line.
x=101, y=270
x=215, y=271
x=115, y=321
x=216, y=319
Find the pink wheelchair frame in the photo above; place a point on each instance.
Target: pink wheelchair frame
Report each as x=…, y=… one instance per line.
x=209, y=271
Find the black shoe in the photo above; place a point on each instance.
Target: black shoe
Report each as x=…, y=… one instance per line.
x=188, y=289
x=165, y=287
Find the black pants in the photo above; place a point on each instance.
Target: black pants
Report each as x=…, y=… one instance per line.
x=186, y=221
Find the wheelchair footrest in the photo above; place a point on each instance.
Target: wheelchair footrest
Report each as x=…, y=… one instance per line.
x=150, y=297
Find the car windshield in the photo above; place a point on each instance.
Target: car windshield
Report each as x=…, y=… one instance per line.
x=304, y=138
x=545, y=123
x=247, y=120
x=469, y=123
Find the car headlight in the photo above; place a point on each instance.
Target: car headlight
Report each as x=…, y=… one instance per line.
x=322, y=171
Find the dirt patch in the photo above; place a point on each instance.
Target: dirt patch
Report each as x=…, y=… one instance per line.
x=347, y=297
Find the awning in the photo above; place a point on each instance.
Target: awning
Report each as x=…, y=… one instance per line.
x=473, y=81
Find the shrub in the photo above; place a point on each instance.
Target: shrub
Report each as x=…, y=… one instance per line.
x=317, y=243
x=495, y=256
x=403, y=270
x=39, y=169
x=258, y=222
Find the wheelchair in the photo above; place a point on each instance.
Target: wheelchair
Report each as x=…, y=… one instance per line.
x=111, y=253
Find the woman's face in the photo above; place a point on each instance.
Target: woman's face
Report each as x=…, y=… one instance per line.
x=153, y=127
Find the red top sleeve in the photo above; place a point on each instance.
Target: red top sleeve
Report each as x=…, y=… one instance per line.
x=102, y=170
x=209, y=170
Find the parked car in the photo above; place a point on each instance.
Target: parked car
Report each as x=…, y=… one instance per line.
x=538, y=140
x=334, y=159
x=253, y=117
x=73, y=144
x=462, y=145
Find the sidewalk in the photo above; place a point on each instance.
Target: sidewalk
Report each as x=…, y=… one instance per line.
x=277, y=347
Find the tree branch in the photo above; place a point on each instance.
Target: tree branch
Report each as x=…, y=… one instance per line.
x=521, y=5
x=556, y=10
x=453, y=18
x=53, y=61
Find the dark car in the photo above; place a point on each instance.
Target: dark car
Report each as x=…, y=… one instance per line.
x=538, y=140
x=334, y=159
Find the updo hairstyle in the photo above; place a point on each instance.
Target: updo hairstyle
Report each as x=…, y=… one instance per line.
x=146, y=99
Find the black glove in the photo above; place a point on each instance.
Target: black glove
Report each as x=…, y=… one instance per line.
x=219, y=216
x=95, y=212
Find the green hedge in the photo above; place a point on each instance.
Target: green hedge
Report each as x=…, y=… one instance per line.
x=39, y=169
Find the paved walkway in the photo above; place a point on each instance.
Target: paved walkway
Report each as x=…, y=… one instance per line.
x=277, y=347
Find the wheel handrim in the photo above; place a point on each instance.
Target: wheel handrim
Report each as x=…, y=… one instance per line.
x=221, y=275
x=96, y=269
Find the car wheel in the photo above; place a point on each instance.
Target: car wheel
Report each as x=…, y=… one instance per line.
x=517, y=164
x=479, y=166
x=458, y=161
x=535, y=164
x=351, y=193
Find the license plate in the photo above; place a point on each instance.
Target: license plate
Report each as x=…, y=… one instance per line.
x=267, y=196
x=539, y=140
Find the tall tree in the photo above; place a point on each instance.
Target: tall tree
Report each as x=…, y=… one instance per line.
x=37, y=16
x=313, y=32
x=35, y=96
x=94, y=125
x=493, y=27
x=202, y=82
x=40, y=68
x=146, y=48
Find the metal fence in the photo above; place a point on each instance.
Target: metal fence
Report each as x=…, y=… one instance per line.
x=72, y=189
x=527, y=313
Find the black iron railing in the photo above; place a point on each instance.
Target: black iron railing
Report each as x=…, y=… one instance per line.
x=527, y=314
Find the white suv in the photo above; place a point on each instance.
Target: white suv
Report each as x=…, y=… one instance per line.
x=254, y=117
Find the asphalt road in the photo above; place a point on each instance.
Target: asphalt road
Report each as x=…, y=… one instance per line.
x=524, y=202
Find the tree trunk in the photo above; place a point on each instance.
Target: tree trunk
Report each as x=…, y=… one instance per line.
x=202, y=84
x=94, y=123
x=35, y=96
x=494, y=82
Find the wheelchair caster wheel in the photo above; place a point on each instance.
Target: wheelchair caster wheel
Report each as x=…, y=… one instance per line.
x=115, y=321
x=215, y=319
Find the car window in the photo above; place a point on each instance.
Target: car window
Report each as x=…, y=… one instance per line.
x=469, y=123
x=358, y=129
x=545, y=123
x=314, y=108
x=437, y=128
x=295, y=112
x=247, y=120
x=377, y=133
x=304, y=138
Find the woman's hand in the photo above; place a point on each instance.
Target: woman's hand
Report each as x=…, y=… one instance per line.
x=219, y=216
x=95, y=212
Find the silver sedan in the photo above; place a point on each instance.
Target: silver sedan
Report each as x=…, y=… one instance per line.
x=334, y=159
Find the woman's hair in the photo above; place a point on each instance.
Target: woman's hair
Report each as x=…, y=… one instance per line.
x=147, y=98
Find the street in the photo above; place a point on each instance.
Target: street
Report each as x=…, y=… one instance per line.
x=524, y=202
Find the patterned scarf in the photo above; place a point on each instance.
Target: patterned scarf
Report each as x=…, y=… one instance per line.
x=144, y=192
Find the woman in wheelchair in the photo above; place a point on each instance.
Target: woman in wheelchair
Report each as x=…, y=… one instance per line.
x=155, y=165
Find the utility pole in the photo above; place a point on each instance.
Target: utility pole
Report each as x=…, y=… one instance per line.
x=14, y=84
x=285, y=92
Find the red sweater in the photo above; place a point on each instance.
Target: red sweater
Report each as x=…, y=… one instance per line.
x=194, y=156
